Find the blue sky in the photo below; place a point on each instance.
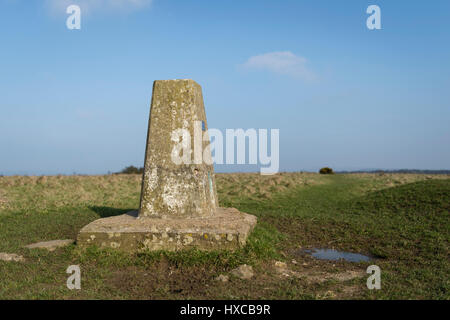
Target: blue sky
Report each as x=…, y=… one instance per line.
x=350, y=98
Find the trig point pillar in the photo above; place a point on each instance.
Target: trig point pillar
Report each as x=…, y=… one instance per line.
x=169, y=188
x=178, y=205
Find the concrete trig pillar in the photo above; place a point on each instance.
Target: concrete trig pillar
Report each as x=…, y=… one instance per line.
x=172, y=189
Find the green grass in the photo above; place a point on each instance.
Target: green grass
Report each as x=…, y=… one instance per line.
x=403, y=220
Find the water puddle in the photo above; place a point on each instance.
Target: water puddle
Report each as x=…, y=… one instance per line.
x=331, y=254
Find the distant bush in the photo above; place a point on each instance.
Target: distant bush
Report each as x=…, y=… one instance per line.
x=132, y=170
x=326, y=170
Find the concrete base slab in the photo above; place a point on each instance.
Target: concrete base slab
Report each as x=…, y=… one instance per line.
x=227, y=229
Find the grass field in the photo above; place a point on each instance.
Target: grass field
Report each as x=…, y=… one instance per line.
x=401, y=219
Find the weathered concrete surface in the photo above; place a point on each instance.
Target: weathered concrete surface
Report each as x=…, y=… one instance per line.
x=172, y=189
x=11, y=257
x=227, y=229
x=50, y=245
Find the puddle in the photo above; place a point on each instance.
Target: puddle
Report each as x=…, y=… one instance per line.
x=331, y=254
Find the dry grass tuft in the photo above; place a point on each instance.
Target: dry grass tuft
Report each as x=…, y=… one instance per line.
x=42, y=192
x=3, y=201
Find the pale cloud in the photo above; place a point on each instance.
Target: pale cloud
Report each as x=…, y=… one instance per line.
x=90, y=6
x=282, y=62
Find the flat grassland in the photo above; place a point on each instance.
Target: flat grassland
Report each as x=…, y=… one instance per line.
x=400, y=219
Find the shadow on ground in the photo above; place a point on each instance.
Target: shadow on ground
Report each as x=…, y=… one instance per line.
x=105, y=212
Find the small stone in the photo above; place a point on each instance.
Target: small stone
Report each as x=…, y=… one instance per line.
x=222, y=278
x=280, y=265
x=243, y=272
x=50, y=245
x=305, y=264
x=294, y=261
x=11, y=257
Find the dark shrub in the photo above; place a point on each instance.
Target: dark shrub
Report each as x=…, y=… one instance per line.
x=326, y=170
x=132, y=170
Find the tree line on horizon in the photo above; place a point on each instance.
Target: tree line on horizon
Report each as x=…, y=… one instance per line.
x=140, y=170
x=413, y=171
